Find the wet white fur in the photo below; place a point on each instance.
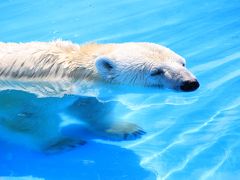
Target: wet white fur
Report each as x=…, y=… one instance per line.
x=131, y=63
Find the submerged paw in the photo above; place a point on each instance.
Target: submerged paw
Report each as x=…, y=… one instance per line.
x=125, y=131
x=64, y=144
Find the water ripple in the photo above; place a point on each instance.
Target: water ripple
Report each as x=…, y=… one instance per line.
x=182, y=139
x=223, y=159
x=216, y=63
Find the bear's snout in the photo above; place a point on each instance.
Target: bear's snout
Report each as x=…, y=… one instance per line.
x=190, y=85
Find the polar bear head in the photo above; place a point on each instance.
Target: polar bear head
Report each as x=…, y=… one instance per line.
x=146, y=64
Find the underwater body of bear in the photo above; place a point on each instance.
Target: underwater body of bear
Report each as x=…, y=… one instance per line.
x=142, y=64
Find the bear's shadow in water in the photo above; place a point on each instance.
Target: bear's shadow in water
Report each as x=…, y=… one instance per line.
x=92, y=161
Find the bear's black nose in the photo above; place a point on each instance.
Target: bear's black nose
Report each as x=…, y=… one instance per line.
x=190, y=85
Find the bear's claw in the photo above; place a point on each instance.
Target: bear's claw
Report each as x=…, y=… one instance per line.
x=134, y=135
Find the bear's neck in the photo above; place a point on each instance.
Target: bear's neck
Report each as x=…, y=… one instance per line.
x=83, y=64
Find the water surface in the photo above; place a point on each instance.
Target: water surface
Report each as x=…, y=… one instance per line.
x=189, y=135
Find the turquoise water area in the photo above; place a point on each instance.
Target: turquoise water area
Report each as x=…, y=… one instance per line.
x=189, y=135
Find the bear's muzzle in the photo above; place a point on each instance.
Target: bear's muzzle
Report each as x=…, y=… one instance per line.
x=190, y=85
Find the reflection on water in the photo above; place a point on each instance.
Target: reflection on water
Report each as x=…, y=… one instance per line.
x=189, y=135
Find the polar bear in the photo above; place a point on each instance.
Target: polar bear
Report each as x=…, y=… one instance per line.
x=39, y=67
x=144, y=64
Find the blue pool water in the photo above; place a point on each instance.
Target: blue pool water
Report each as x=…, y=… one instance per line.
x=189, y=135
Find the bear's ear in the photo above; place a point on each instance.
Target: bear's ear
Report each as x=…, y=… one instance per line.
x=104, y=66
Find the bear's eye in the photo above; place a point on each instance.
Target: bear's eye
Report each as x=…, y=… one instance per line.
x=183, y=65
x=157, y=72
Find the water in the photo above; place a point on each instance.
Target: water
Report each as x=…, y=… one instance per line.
x=189, y=135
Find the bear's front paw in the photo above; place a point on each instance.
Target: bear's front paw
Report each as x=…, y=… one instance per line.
x=124, y=131
x=62, y=144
